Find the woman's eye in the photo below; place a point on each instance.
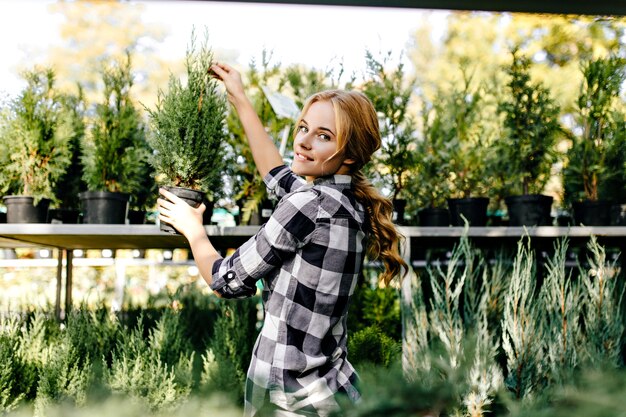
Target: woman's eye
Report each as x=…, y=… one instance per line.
x=303, y=129
x=324, y=136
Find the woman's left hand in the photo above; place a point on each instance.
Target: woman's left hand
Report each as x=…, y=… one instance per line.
x=175, y=211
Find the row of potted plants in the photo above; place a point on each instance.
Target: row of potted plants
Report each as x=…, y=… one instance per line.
x=461, y=145
x=106, y=159
x=473, y=147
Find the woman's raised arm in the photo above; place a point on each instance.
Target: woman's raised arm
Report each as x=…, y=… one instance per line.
x=264, y=151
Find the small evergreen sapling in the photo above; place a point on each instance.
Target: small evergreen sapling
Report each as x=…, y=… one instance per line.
x=35, y=137
x=115, y=149
x=188, y=133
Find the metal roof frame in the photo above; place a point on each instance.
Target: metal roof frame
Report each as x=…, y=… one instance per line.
x=586, y=7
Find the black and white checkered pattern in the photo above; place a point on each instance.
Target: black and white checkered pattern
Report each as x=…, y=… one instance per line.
x=309, y=255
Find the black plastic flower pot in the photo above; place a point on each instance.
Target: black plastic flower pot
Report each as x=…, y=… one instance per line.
x=136, y=216
x=103, y=207
x=208, y=212
x=192, y=197
x=529, y=210
x=63, y=215
x=22, y=209
x=399, y=206
x=592, y=213
x=434, y=217
x=263, y=214
x=474, y=209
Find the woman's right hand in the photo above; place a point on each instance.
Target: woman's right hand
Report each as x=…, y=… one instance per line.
x=231, y=79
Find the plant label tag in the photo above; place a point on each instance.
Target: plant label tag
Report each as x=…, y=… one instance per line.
x=282, y=105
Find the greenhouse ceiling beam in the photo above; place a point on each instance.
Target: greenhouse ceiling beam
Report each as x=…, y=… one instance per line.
x=588, y=7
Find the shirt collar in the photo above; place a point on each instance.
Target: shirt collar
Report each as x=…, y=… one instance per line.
x=337, y=179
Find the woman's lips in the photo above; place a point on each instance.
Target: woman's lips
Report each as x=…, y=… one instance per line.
x=301, y=157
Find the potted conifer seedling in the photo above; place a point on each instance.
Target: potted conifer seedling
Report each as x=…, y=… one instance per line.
x=594, y=176
x=188, y=134
x=114, y=150
x=35, y=138
x=390, y=93
x=531, y=128
x=66, y=208
x=460, y=116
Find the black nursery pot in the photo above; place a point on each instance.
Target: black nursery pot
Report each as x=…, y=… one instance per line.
x=399, y=206
x=192, y=197
x=434, y=217
x=474, y=209
x=21, y=209
x=529, y=210
x=63, y=215
x=592, y=213
x=103, y=207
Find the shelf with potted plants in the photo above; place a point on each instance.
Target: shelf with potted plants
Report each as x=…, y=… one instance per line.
x=531, y=130
x=188, y=133
x=36, y=136
x=594, y=176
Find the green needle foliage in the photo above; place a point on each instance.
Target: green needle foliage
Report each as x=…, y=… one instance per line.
x=522, y=330
x=115, y=149
x=36, y=134
x=596, y=157
x=188, y=133
x=603, y=317
x=561, y=298
x=391, y=94
x=532, y=129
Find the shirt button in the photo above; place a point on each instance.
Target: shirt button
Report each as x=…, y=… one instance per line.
x=230, y=275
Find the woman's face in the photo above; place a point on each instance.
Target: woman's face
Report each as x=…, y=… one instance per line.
x=316, y=142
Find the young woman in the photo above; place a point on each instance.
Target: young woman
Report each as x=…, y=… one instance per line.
x=310, y=252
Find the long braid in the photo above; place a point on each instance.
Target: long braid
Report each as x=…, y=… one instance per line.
x=383, y=237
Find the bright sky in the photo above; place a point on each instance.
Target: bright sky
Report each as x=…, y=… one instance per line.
x=311, y=35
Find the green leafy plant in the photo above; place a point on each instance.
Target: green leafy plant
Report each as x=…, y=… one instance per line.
x=36, y=138
x=596, y=157
x=188, y=133
x=115, y=147
x=531, y=128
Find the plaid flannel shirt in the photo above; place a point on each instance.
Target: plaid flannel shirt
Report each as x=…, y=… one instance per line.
x=309, y=255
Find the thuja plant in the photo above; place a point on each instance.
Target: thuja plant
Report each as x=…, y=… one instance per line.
x=115, y=148
x=590, y=170
x=603, y=318
x=391, y=92
x=522, y=332
x=188, y=133
x=231, y=348
x=36, y=138
x=561, y=298
x=140, y=370
x=531, y=127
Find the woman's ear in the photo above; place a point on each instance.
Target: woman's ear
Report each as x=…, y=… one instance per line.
x=349, y=161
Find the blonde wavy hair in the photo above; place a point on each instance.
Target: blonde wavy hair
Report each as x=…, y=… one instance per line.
x=358, y=137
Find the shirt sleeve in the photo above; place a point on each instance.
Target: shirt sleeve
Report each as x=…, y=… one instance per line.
x=288, y=229
x=281, y=181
